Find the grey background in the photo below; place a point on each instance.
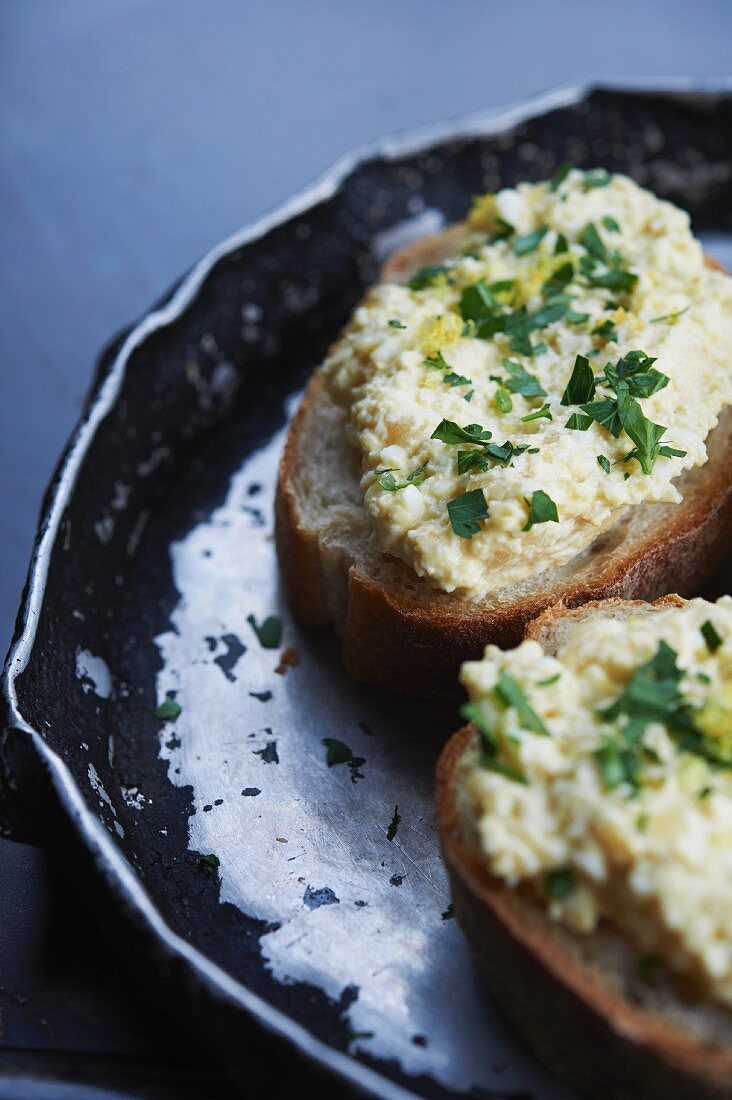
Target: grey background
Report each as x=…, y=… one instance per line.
x=137, y=133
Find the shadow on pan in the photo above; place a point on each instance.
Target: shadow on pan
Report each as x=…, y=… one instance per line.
x=178, y=407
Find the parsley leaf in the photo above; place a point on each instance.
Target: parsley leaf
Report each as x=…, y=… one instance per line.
x=597, y=177
x=644, y=433
x=529, y=242
x=560, y=176
x=337, y=752
x=610, y=224
x=510, y=693
x=465, y=512
x=578, y=423
x=711, y=637
x=168, y=710
x=447, y=431
x=605, y=412
x=538, y=414
x=503, y=399
x=388, y=481
x=560, y=884
x=394, y=323
x=581, y=386
x=604, y=463
x=427, y=276
x=542, y=509
x=558, y=280
x=269, y=631
x=521, y=381
x=670, y=316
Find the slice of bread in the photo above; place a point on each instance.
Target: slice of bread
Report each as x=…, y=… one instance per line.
x=401, y=633
x=579, y=1001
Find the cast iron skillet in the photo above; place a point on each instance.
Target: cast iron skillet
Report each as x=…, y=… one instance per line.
x=186, y=402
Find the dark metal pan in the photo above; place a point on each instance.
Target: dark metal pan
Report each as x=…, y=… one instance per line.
x=297, y=903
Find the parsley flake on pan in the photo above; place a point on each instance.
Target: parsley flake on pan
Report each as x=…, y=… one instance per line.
x=168, y=710
x=269, y=631
x=466, y=512
x=542, y=509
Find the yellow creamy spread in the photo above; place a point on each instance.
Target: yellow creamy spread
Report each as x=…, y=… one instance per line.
x=591, y=266
x=603, y=778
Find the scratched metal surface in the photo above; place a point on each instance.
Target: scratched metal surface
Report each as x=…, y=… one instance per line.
x=327, y=920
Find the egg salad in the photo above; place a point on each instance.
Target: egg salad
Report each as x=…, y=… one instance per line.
x=602, y=780
x=568, y=359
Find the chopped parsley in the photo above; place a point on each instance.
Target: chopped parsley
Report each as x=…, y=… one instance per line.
x=671, y=317
x=578, y=422
x=542, y=509
x=604, y=463
x=391, y=832
x=210, y=863
x=521, y=381
x=560, y=176
x=549, y=680
x=427, y=276
x=602, y=268
x=561, y=245
x=388, y=481
x=581, y=386
x=558, y=280
x=610, y=224
x=490, y=745
x=538, y=414
x=269, y=631
x=447, y=431
x=529, y=242
x=710, y=636
x=466, y=512
x=509, y=693
x=607, y=331
x=560, y=884
x=597, y=177
x=503, y=399
x=168, y=710
x=337, y=752
x=394, y=323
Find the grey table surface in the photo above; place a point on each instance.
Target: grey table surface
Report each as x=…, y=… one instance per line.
x=134, y=134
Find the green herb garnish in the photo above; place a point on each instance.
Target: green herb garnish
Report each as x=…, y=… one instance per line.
x=391, y=832
x=542, y=509
x=710, y=636
x=604, y=463
x=388, y=481
x=427, y=276
x=466, y=512
x=337, y=752
x=521, y=381
x=543, y=413
x=168, y=710
x=559, y=885
x=529, y=242
x=210, y=863
x=269, y=632
x=581, y=386
x=394, y=323
x=578, y=422
x=503, y=399
x=509, y=693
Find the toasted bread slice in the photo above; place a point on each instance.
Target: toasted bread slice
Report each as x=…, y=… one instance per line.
x=401, y=633
x=579, y=1001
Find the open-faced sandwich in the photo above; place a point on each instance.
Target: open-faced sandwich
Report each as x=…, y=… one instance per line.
x=585, y=816
x=531, y=407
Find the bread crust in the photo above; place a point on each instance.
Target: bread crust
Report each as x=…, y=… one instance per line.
x=394, y=640
x=579, y=1021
